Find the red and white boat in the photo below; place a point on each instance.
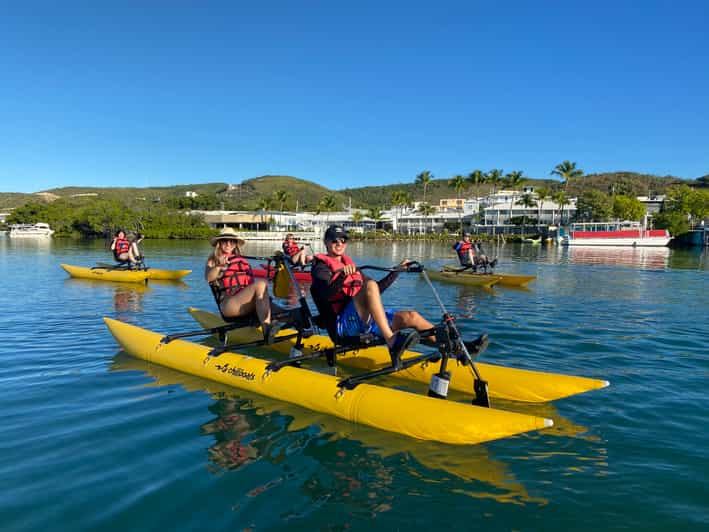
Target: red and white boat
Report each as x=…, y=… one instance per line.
x=629, y=234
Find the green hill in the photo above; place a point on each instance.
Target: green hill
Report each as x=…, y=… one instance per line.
x=306, y=195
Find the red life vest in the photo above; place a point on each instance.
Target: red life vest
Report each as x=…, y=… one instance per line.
x=462, y=249
x=290, y=247
x=350, y=285
x=237, y=276
x=122, y=246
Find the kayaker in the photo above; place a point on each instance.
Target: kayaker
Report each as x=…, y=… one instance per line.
x=466, y=251
x=471, y=254
x=238, y=293
x=120, y=247
x=350, y=303
x=296, y=253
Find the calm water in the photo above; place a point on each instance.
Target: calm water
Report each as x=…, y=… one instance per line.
x=93, y=439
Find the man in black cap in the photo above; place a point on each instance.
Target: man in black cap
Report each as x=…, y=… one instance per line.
x=350, y=303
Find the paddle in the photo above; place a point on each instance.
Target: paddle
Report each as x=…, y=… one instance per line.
x=479, y=385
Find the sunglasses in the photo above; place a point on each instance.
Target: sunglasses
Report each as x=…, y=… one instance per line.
x=232, y=242
x=338, y=241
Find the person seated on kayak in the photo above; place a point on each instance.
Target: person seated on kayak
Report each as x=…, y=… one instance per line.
x=470, y=255
x=294, y=252
x=121, y=247
x=237, y=292
x=350, y=303
x=466, y=251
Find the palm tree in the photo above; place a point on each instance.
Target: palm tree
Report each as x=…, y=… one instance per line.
x=567, y=171
x=424, y=178
x=542, y=194
x=458, y=183
x=494, y=177
x=281, y=196
x=515, y=179
x=375, y=214
x=512, y=181
x=399, y=199
x=526, y=201
x=427, y=210
x=357, y=217
x=561, y=200
x=263, y=205
x=327, y=204
x=476, y=178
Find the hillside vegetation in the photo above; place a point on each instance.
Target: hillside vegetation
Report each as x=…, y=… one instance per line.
x=259, y=193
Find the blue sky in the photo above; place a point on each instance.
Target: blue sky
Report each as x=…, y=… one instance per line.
x=141, y=93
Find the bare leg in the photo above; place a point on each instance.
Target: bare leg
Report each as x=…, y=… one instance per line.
x=252, y=298
x=368, y=302
x=410, y=319
x=299, y=258
x=405, y=319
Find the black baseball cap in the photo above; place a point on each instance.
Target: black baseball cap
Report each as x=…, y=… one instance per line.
x=335, y=231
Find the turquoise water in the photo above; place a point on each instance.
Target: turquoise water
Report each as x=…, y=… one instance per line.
x=96, y=440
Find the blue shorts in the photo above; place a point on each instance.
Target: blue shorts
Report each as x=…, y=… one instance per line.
x=350, y=324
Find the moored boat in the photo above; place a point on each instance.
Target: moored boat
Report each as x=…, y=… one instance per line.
x=626, y=233
x=107, y=274
x=504, y=382
x=387, y=409
x=38, y=230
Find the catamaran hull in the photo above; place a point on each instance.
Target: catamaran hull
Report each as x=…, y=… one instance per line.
x=503, y=279
x=504, y=382
x=486, y=281
x=167, y=275
x=625, y=242
x=397, y=411
x=106, y=274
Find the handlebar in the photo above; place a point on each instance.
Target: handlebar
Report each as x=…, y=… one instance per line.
x=411, y=267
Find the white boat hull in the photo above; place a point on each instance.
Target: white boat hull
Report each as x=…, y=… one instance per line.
x=626, y=242
x=39, y=230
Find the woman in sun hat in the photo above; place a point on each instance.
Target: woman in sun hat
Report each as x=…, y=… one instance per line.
x=237, y=292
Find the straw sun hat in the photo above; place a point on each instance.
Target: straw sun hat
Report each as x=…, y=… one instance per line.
x=227, y=234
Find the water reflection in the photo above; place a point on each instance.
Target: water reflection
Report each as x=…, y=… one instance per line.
x=639, y=257
x=129, y=298
x=175, y=283
x=248, y=427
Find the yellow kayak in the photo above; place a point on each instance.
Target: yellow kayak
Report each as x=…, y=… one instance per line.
x=107, y=274
x=475, y=463
x=153, y=273
x=486, y=280
x=412, y=415
x=504, y=382
x=469, y=277
x=167, y=275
